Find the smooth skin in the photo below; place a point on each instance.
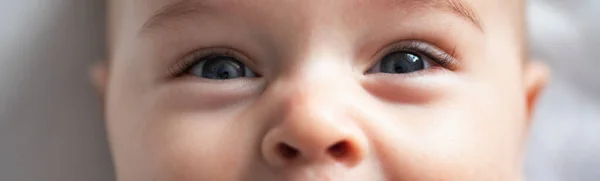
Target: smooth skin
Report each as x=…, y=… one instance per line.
x=314, y=101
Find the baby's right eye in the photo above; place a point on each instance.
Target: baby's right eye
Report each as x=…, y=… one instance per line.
x=220, y=67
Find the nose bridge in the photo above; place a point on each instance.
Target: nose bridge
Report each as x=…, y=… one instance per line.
x=317, y=86
x=315, y=97
x=315, y=100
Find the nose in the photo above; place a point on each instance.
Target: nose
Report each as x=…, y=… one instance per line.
x=313, y=130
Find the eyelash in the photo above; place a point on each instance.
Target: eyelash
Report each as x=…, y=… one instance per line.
x=182, y=67
x=431, y=52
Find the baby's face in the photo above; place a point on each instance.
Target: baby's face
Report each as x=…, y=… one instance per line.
x=415, y=90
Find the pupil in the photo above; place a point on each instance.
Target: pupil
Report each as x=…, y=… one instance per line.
x=401, y=62
x=223, y=68
x=224, y=75
x=399, y=69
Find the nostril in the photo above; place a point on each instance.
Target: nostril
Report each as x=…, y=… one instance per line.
x=287, y=151
x=340, y=149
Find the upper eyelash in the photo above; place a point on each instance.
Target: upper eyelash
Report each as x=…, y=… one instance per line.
x=187, y=62
x=439, y=56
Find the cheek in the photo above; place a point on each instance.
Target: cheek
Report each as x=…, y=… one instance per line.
x=480, y=123
x=197, y=151
x=181, y=145
x=200, y=146
x=465, y=131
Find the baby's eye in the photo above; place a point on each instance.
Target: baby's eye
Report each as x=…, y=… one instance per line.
x=401, y=62
x=220, y=68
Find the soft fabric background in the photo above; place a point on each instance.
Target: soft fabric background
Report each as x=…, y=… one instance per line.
x=51, y=127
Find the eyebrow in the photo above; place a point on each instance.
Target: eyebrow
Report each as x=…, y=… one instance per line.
x=458, y=7
x=184, y=8
x=178, y=10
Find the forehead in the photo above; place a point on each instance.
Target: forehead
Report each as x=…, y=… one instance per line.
x=470, y=9
x=134, y=16
x=180, y=8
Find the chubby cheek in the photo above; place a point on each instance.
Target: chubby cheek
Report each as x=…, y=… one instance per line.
x=458, y=130
x=215, y=145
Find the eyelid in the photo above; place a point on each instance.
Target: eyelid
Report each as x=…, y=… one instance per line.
x=439, y=56
x=190, y=59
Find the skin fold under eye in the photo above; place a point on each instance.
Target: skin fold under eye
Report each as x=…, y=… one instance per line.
x=410, y=57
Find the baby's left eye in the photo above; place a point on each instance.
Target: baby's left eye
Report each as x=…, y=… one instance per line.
x=401, y=62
